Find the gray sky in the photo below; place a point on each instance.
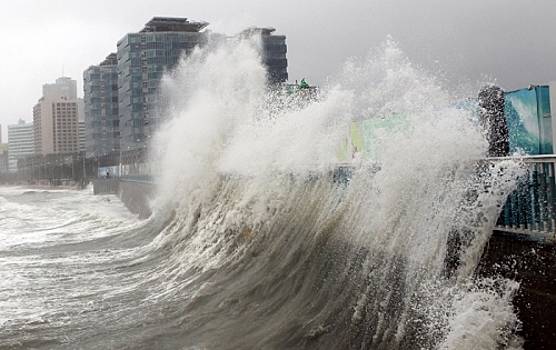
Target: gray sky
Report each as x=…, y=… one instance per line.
x=512, y=41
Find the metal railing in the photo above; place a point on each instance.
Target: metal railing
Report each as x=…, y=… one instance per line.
x=529, y=212
x=531, y=209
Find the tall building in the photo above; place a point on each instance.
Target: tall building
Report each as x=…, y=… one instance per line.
x=56, y=117
x=274, y=52
x=102, y=122
x=144, y=57
x=20, y=143
x=142, y=60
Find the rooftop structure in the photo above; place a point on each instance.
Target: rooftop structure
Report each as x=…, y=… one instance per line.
x=257, y=30
x=173, y=24
x=110, y=60
x=64, y=87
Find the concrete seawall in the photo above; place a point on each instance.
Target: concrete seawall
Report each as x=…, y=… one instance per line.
x=106, y=186
x=136, y=194
x=531, y=263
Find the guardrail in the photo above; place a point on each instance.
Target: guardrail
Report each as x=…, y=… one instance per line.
x=147, y=179
x=530, y=210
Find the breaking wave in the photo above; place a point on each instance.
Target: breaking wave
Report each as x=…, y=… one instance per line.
x=271, y=231
x=289, y=256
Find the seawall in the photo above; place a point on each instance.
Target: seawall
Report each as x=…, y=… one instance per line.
x=530, y=262
x=135, y=193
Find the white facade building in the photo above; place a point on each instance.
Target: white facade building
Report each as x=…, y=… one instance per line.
x=20, y=143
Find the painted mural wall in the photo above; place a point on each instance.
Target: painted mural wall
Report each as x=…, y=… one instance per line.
x=529, y=120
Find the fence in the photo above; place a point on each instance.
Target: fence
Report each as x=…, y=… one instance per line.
x=76, y=167
x=531, y=209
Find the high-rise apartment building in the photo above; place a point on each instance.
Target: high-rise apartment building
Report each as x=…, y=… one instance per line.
x=20, y=143
x=102, y=122
x=56, y=117
x=144, y=57
x=142, y=60
x=274, y=52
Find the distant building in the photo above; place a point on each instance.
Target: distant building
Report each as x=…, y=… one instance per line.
x=102, y=122
x=64, y=87
x=20, y=143
x=142, y=60
x=274, y=52
x=3, y=158
x=56, y=117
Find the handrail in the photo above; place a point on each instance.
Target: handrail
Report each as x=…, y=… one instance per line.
x=530, y=210
x=138, y=179
x=539, y=158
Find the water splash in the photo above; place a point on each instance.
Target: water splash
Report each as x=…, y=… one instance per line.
x=255, y=243
x=313, y=263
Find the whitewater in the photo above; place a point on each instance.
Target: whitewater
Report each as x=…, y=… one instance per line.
x=254, y=243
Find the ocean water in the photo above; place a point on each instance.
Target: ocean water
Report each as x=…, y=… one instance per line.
x=253, y=244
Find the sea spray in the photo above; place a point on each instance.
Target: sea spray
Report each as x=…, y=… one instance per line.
x=294, y=259
x=258, y=240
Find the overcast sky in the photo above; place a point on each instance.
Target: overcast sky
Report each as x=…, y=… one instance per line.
x=512, y=41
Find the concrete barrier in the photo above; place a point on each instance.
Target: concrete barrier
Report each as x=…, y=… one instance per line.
x=106, y=186
x=137, y=196
x=515, y=256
